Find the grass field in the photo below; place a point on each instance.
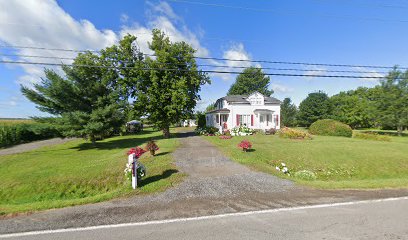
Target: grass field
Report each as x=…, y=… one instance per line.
x=7, y=121
x=338, y=162
x=77, y=172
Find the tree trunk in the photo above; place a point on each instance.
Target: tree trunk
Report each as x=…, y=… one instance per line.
x=166, y=132
x=92, y=138
x=399, y=130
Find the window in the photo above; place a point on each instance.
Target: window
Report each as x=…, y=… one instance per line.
x=245, y=120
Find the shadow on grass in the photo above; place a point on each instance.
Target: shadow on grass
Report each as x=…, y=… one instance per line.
x=161, y=154
x=137, y=140
x=251, y=150
x=158, y=177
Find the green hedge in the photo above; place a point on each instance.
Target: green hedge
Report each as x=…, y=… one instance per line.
x=330, y=127
x=27, y=132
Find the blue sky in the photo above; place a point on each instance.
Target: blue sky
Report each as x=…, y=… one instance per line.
x=365, y=32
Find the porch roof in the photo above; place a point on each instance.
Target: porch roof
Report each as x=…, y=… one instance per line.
x=222, y=110
x=264, y=110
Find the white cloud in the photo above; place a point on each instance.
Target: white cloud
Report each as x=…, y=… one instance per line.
x=163, y=8
x=280, y=88
x=45, y=24
x=235, y=51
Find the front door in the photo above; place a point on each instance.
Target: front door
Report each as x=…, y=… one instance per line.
x=262, y=121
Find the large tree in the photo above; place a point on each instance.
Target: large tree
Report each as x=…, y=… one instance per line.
x=166, y=90
x=393, y=100
x=316, y=106
x=288, y=113
x=355, y=107
x=84, y=102
x=250, y=80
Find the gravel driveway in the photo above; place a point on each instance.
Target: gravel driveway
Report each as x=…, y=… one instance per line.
x=214, y=185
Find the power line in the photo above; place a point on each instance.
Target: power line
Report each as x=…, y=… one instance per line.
x=224, y=59
x=286, y=12
x=204, y=71
x=203, y=65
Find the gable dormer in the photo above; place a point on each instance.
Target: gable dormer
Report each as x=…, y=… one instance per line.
x=256, y=99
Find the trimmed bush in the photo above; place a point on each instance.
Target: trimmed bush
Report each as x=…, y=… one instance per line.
x=372, y=136
x=293, y=134
x=330, y=127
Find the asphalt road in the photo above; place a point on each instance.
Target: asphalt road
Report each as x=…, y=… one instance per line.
x=372, y=219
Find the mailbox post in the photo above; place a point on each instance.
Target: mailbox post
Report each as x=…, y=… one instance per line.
x=133, y=160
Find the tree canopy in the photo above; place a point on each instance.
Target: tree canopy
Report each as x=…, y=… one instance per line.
x=168, y=92
x=92, y=99
x=316, y=106
x=250, y=80
x=84, y=102
x=392, y=101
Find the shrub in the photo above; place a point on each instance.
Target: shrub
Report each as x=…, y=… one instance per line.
x=241, y=130
x=245, y=145
x=201, y=121
x=330, y=127
x=207, y=131
x=271, y=131
x=305, y=175
x=152, y=147
x=372, y=136
x=293, y=134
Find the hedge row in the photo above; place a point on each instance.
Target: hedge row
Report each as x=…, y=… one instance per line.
x=27, y=132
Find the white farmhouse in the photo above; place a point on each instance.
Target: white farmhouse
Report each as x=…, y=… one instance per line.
x=256, y=111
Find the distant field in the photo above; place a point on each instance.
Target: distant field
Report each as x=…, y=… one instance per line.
x=10, y=121
x=17, y=131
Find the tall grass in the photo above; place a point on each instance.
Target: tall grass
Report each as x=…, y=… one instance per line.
x=14, y=132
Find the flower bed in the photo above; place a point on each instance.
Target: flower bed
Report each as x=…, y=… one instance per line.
x=293, y=134
x=241, y=131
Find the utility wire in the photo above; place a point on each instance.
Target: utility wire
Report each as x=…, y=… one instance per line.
x=285, y=12
x=222, y=59
x=203, y=65
x=204, y=71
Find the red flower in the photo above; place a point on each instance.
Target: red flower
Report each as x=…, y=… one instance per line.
x=138, y=151
x=245, y=145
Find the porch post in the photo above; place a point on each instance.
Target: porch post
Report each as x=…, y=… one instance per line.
x=259, y=121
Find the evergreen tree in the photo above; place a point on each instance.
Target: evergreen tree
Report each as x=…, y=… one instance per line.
x=84, y=102
x=288, y=113
x=250, y=80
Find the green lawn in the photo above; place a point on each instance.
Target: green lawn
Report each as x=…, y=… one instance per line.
x=77, y=172
x=338, y=162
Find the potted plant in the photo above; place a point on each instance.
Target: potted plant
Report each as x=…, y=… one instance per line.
x=152, y=147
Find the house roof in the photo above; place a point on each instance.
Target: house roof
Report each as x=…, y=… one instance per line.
x=242, y=99
x=223, y=110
